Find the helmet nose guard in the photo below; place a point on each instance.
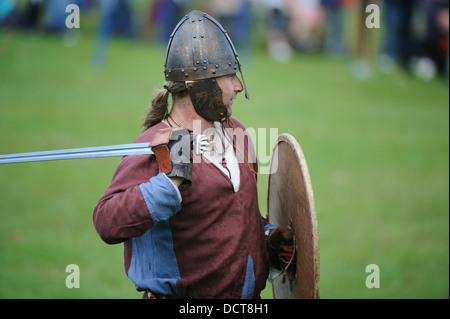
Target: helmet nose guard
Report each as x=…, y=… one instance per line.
x=200, y=48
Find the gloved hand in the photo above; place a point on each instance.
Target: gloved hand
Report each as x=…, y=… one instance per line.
x=180, y=147
x=282, y=253
x=174, y=150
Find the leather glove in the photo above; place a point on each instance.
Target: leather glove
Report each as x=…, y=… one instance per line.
x=180, y=147
x=174, y=150
x=282, y=251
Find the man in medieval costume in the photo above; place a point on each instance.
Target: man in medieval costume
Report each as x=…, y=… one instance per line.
x=190, y=222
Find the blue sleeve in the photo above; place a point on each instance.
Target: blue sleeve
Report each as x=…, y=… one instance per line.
x=161, y=198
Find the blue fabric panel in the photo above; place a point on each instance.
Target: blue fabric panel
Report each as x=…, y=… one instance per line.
x=249, y=284
x=153, y=262
x=161, y=198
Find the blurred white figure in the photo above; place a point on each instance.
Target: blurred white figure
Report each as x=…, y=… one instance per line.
x=277, y=38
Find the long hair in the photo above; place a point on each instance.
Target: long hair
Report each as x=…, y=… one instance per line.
x=160, y=103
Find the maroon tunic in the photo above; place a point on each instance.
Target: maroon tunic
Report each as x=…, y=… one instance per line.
x=213, y=247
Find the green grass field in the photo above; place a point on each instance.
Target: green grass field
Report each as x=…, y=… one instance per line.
x=377, y=151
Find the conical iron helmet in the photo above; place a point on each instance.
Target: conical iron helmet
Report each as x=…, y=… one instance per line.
x=199, y=51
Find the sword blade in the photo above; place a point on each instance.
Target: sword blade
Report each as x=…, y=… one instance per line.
x=76, y=153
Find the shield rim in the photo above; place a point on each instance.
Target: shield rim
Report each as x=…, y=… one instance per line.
x=301, y=161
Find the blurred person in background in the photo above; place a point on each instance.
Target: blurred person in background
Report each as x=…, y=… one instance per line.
x=335, y=41
x=242, y=26
x=235, y=17
x=165, y=15
x=293, y=25
x=277, y=38
x=399, y=38
x=115, y=17
x=35, y=15
x=55, y=15
x=425, y=55
x=224, y=11
x=124, y=20
x=192, y=228
x=20, y=15
x=431, y=58
x=306, y=24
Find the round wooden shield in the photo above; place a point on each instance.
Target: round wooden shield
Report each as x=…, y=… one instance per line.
x=290, y=202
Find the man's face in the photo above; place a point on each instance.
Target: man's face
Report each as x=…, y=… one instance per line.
x=231, y=86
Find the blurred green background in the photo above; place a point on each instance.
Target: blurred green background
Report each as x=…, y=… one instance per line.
x=377, y=151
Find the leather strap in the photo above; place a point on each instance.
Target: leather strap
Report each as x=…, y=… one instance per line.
x=158, y=144
x=162, y=154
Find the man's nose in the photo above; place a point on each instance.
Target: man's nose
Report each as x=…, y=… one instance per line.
x=237, y=84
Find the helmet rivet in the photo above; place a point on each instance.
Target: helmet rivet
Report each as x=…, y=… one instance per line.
x=202, y=36
x=195, y=37
x=186, y=75
x=204, y=61
x=217, y=66
x=205, y=68
x=198, y=62
x=195, y=69
x=213, y=71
